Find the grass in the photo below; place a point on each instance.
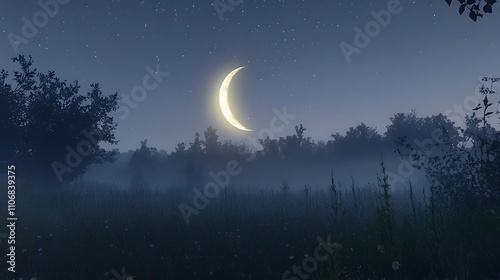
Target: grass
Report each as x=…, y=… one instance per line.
x=94, y=232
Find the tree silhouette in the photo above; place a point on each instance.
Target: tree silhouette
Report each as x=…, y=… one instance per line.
x=143, y=162
x=144, y=157
x=195, y=148
x=181, y=147
x=49, y=127
x=193, y=162
x=415, y=129
x=474, y=7
x=211, y=142
x=270, y=148
x=357, y=140
x=291, y=147
x=463, y=168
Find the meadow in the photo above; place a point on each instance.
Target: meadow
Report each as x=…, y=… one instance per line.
x=95, y=231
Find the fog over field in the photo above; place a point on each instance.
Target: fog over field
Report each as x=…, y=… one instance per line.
x=249, y=140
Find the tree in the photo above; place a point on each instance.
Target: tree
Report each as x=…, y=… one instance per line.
x=52, y=129
x=362, y=133
x=474, y=7
x=294, y=147
x=403, y=125
x=413, y=129
x=195, y=147
x=464, y=169
x=143, y=161
x=181, y=147
x=304, y=144
x=270, y=148
x=211, y=142
x=193, y=162
x=358, y=140
x=144, y=157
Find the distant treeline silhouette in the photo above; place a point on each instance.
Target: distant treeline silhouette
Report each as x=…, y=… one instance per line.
x=424, y=141
x=55, y=133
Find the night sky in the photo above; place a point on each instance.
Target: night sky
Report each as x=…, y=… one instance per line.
x=427, y=58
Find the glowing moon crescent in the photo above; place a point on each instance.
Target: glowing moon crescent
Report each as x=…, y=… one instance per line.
x=224, y=101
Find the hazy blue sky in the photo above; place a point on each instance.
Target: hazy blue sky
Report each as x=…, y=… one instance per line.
x=427, y=58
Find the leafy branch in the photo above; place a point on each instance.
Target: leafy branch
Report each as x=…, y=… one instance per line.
x=474, y=7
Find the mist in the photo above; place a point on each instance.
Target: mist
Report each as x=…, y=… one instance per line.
x=235, y=139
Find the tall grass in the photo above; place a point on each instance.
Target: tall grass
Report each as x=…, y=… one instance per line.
x=86, y=232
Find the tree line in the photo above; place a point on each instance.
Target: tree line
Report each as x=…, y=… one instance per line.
x=55, y=132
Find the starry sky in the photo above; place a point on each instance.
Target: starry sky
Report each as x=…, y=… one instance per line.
x=428, y=58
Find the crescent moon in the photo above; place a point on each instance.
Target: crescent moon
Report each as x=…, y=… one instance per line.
x=224, y=101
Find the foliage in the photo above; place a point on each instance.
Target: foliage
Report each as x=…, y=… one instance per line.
x=144, y=162
x=414, y=128
x=43, y=117
x=211, y=143
x=475, y=7
x=464, y=175
x=144, y=157
x=358, y=140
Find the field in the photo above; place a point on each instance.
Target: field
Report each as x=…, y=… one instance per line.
x=336, y=231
